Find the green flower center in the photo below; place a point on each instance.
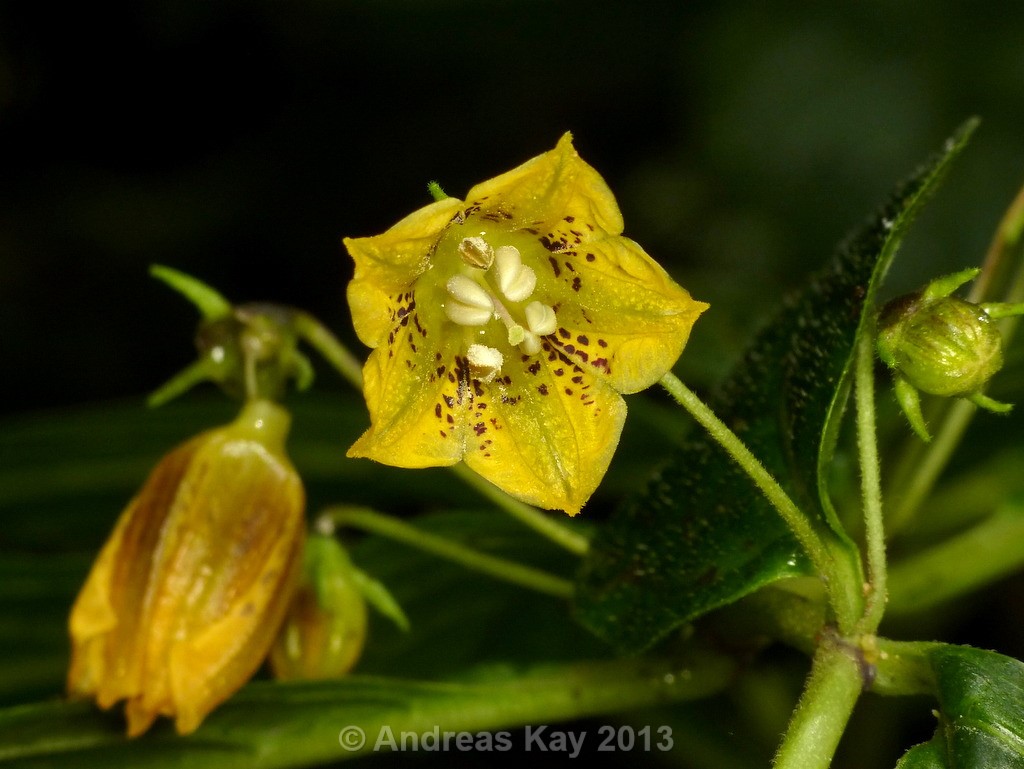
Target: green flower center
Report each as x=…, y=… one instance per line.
x=486, y=284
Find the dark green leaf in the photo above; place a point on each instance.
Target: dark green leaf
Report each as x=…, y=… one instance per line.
x=700, y=535
x=981, y=698
x=291, y=725
x=926, y=756
x=460, y=618
x=981, y=718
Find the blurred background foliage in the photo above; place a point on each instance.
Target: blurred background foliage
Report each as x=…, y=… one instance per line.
x=240, y=141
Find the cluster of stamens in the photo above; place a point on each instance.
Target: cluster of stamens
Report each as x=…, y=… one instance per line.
x=497, y=276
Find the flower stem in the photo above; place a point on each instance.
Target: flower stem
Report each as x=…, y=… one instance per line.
x=325, y=343
x=823, y=711
x=500, y=568
x=871, y=484
x=814, y=545
x=537, y=520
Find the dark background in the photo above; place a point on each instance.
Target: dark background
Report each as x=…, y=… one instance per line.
x=241, y=141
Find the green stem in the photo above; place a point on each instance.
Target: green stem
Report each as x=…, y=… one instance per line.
x=500, y=568
x=438, y=194
x=823, y=711
x=871, y=484
x=338, y=355
x=325, y=343
x=1007, y=238
x=813, y=544
x=539, y=521
x=903, y=668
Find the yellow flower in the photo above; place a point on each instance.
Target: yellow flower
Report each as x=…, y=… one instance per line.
x=325, y=630
x=183, y=603
x=506, y=326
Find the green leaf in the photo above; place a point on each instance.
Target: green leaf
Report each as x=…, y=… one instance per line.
x=981, y=723
x=459, y=618
x=928, y=755
x=300, y=724
x=981, y=697
x=700, y=535
x=976, y=557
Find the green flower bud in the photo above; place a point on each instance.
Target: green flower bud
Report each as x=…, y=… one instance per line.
x=941, y=345
x=945, y=346
x=324, y=632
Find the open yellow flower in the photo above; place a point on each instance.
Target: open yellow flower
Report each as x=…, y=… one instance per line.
x=183, y=603
x=506, y=326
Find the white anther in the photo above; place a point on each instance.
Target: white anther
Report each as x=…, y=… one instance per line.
x=465, y=315
x=522, y=286
x=515, y=280
x=476, y=252
x=484, y=362
x=506, y=260
x=540, y=319
x=516, y=334
x=469, y=292
x=531, y=343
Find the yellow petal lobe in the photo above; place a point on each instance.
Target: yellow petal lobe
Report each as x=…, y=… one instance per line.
x=546, y=431
x=548, y=188
x=387, y=264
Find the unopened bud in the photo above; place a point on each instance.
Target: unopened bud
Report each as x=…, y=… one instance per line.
x=941, y=345
x=946, y=346
x=324, y=632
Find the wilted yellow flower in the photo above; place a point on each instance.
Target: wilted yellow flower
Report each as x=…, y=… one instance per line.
x=183, y=603
x=506, y=326
x=325, y=629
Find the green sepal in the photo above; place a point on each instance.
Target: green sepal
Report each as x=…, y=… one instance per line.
x=380, y=598
x=210, y=303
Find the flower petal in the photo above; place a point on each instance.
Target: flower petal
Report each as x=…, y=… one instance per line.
x=415, y=386
x=619, y=313
x=125, y=580
x=94, y=616
x=387, y=265
x=209, y=668
x=226, y=550
x=546, y=189
x=545, y=431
